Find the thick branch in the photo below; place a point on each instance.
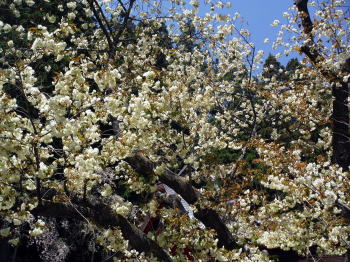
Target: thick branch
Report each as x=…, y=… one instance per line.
x=103, y=216
x=211, y=219
x=144, y=166
x=141, y=164
x=181, y=186
x=207, y=216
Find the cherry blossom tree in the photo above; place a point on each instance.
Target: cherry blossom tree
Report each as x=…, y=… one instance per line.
x=109, y=120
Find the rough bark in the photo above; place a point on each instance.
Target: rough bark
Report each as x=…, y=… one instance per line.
x=103, y=216
x=180, y=186
x=209, y=217
x=306, y=19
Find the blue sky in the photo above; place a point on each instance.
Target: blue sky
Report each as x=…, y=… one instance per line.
x=258, y=16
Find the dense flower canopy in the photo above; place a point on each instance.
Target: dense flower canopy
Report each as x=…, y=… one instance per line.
x=119, y=114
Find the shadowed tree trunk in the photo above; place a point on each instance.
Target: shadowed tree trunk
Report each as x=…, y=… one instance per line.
x=340, y=90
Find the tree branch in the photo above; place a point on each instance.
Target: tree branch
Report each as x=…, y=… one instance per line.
x=207, y=216
x=312, y=53
x=104, y=19
x=304, y=11
x=181, y=186
x=122, y=5
x=104, y=29
x=125, y=22
x=211, y=219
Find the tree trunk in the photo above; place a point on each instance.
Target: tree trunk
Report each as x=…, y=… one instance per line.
x=340, y=126
x=340, y=89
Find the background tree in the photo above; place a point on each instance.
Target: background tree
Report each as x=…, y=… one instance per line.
x=292, y=65
x=273, y=68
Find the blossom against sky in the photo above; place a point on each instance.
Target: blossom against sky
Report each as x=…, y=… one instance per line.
x=258, y=16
